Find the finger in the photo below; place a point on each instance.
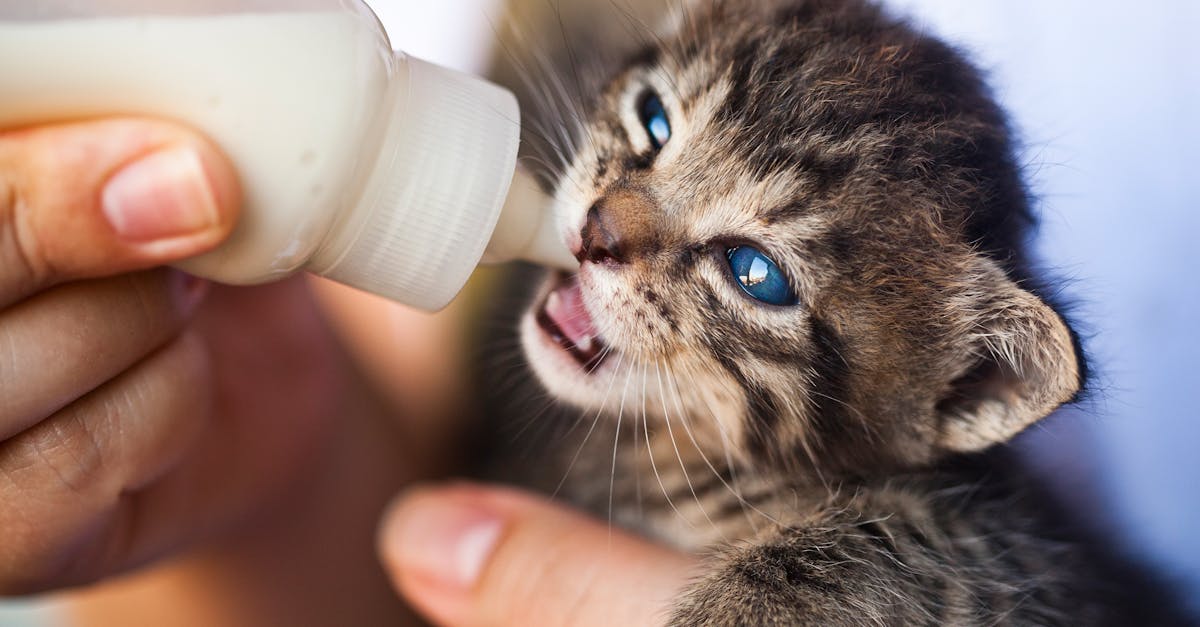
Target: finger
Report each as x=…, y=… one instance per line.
x=70, y=484
x=63, y=343
x=469, y=556
x=102, y=198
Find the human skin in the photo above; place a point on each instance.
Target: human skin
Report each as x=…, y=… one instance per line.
x=175, y=453
x=468, y=555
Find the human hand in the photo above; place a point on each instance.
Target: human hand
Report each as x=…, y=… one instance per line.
x=133, y=420
x=468, y=556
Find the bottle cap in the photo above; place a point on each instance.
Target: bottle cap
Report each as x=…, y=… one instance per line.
x=429, y=207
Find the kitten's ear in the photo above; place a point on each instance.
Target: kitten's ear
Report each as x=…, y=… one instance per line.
x=1025, y=364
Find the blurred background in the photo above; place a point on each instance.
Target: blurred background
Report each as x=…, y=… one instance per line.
x=1106, y=98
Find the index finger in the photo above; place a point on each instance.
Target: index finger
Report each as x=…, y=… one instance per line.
x=100, y=198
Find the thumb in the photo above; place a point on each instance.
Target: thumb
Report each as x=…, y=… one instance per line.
x=99, y=198
x=470, y=556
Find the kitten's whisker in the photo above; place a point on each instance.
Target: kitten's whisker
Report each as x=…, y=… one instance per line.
x=597, y=361
x=729, y=462
x=512, y=357
x=538, y=160
x=573, y=63
x=551, y=103
x=612, y=479
x=556, y=100
x=725, y=438
x=675, y=445
x=639, y=29
x=586, y=437
x=544, y=101
x=579, y=417
x=637, y=457
x=650, y=450
x=530, y=421
x=700, y=449
x=554, y=84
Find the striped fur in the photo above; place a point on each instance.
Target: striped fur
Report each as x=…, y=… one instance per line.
x=835, y=458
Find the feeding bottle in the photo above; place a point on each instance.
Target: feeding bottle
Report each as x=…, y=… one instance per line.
x=357, y=163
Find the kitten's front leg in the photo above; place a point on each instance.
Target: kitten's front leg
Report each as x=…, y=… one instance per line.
x=804, y=577
x=882, y=571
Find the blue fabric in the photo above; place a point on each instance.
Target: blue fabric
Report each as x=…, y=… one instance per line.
x=1106, y=96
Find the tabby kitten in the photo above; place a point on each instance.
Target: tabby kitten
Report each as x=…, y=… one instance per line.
x=802, y=320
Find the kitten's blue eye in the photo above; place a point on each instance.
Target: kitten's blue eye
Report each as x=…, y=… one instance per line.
x=654, y=119
x=759, y=277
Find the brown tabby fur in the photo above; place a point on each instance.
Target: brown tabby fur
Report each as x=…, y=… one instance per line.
x=836, y=460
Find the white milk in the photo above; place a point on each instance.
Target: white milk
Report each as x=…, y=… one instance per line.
x=291, y=128
x=335, y=138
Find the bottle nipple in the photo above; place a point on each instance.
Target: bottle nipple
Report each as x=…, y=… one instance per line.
x=526, y=229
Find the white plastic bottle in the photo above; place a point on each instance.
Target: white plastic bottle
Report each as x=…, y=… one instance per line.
x=358, y=163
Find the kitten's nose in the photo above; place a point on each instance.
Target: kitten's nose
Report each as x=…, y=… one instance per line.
x=619, y=228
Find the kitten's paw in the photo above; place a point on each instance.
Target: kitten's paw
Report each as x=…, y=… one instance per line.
x=769, y=586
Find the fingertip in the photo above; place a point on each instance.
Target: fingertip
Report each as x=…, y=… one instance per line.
x=176, y=201
x=224, y=182
x=468, y=554
x=434, y=543
x=104, y=197
x=444, y=535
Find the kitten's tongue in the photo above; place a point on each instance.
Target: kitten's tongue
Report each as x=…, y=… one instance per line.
x=565, y=308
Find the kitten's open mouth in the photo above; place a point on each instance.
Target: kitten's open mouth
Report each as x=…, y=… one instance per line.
x=565, y=319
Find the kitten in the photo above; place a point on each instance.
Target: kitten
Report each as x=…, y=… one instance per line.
x=802, y=321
